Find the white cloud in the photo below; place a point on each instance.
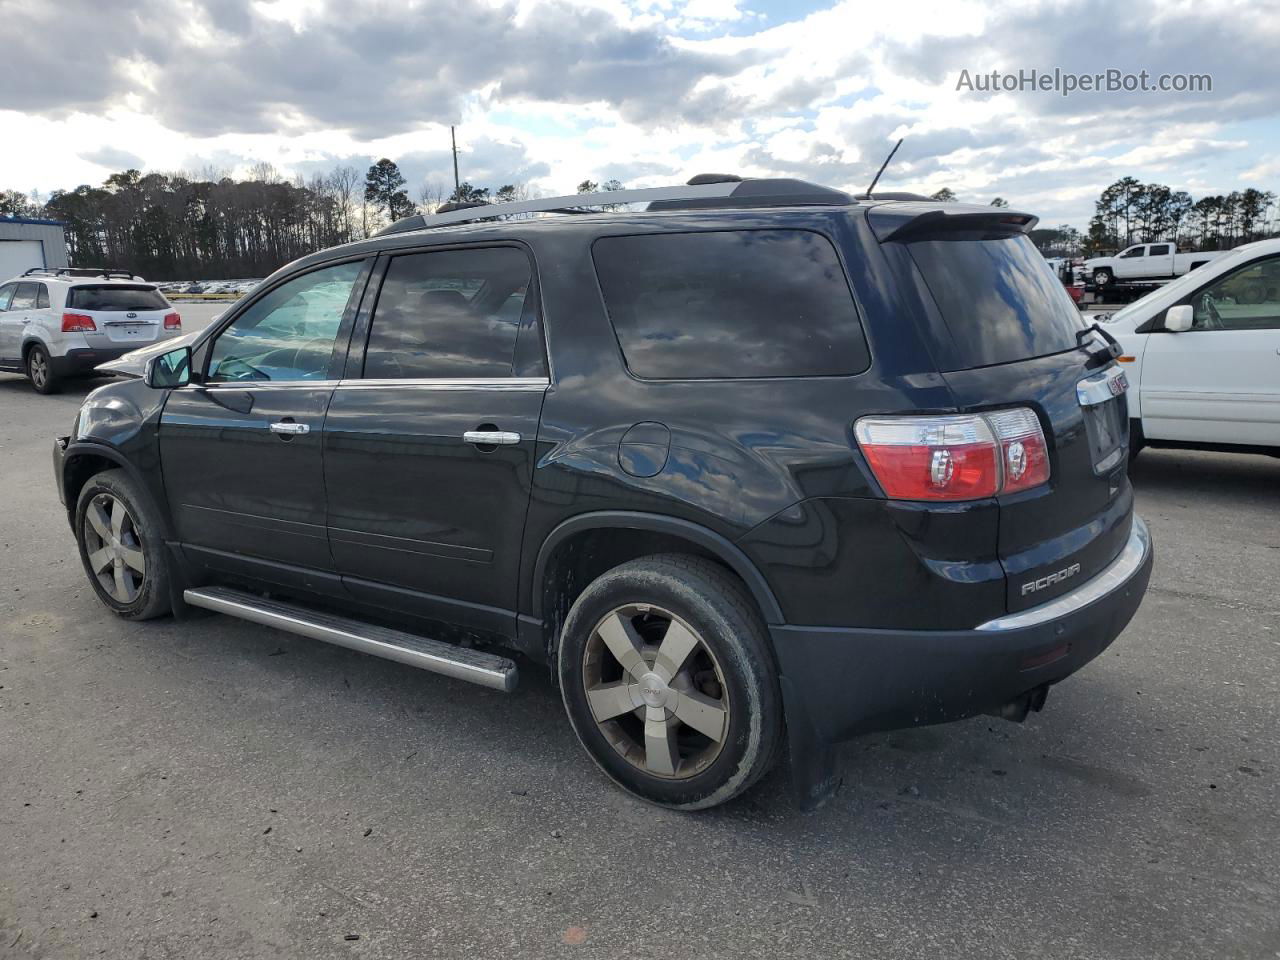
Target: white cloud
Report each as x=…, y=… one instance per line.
x=649, y=91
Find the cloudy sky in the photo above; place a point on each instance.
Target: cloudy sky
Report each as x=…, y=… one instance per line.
x=549, y=92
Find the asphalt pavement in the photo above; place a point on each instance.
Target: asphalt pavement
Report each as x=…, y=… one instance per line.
x=216, y=789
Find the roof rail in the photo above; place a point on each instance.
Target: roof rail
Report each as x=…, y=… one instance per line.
x=705, y=190
x=103, y=272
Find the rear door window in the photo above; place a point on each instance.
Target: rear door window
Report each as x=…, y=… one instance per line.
x=24, y=298
x=115, y=297
x=453, y=314
x=999, y=300
x=730, y=304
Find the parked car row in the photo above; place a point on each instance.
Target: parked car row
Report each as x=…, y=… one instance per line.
x=237, y=287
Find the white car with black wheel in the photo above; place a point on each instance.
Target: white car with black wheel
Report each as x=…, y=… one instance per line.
x=61, y=323
x=1203, y=355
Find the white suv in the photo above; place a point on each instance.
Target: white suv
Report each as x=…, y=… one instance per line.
x=1203, y=355
x=59, y=323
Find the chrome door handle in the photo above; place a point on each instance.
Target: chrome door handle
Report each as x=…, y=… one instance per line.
x=491, y=438
x=290, y=429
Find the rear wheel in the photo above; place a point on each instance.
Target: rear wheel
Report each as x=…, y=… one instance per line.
x=40, y=370
x=669, y=683
x=118, y=532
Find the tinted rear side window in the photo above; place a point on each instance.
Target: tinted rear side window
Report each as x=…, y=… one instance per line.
x=450, y=314
x=116, y=297
x=730, y=304
x=998, y=297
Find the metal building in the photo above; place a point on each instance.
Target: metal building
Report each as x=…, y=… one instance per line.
x=26, y=242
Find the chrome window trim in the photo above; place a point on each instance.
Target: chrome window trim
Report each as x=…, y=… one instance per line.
x=1116, y=575
x=457, y=383
x=262, y=385
x=449, y=383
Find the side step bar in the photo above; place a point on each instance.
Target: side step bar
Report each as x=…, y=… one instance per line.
x=461, y=663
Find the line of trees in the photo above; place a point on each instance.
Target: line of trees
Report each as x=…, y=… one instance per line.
x=209, y=226
x=1130, y=211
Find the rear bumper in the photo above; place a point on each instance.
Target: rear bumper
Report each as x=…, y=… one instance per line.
x=839, y=683
x=83, y=360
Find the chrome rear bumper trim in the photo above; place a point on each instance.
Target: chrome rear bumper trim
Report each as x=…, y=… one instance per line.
x=1115, y=576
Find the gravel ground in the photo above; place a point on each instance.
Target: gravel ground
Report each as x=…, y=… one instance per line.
x=217, y=789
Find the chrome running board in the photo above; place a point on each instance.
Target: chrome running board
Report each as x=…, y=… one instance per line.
x=461, y=663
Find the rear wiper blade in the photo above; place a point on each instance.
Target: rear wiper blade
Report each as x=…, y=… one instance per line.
x=1108, y=351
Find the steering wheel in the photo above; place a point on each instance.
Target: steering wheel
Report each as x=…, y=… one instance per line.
x=235, y=369
x=303, y=349
x=1214, y=320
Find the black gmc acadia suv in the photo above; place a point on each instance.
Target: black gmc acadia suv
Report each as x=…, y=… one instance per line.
x=759, y=463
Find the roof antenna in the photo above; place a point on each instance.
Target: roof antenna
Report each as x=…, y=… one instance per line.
x=882, y=166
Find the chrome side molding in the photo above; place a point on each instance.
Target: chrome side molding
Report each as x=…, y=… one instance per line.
x=461, y=663
x=1115, y=576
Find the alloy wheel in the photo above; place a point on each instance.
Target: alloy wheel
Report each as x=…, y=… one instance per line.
x=656, y=691
x=38, y=368
x=114, y=548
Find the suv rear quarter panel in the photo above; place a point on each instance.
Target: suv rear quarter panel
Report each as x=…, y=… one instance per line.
x=769, y=463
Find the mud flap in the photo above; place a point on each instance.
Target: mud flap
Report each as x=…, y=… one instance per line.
x=814, y=770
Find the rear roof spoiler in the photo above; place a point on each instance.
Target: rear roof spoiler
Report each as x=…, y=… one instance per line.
x=905, y=221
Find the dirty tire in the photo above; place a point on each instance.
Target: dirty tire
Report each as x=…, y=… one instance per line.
x=147, y=593
x=40, y=371
x=712, y=606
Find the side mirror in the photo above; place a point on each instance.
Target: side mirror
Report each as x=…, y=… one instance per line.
x=172, y=369
x=1178, y=319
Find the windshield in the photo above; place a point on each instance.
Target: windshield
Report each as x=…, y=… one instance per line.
x=1174, y=289
x=1001, y=302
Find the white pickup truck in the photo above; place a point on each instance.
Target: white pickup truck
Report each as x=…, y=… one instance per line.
x=1144, y=263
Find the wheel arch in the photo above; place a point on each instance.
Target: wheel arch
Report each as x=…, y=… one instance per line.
x=558, y=559
x=85, y=458
x=30, y=342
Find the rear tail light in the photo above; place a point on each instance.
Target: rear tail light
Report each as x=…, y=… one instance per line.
x=1024, y=456
x=77, y=323
x=173, y=321
x=955, y=457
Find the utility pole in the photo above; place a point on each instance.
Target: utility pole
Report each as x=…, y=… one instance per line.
x=454, y=140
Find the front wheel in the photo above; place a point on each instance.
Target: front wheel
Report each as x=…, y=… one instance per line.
x=118, y=533
x=40, y=370
x=1102, y=279
x=669, y=682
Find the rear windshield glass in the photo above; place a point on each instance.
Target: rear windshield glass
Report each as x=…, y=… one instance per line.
x=999, y=298
x=730, y=304
x=116, y=297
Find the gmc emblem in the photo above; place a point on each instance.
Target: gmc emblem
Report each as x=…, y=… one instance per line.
x=1066, y=573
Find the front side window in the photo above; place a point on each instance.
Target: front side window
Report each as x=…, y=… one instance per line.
x=450, y=314
x=1247, y=298
x=1132, y=252
x=6, y=295
x=288, y=334
x=730, y=304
